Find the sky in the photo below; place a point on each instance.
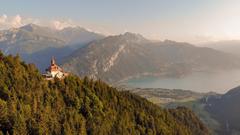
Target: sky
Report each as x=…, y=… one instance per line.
x=193, y=21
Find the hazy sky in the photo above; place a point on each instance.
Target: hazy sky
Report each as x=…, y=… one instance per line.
x=182, y=20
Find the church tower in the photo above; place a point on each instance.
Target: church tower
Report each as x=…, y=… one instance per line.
x=53, y=61
x=54, y=71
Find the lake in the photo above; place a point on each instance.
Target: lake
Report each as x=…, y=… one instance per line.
x=219, y=82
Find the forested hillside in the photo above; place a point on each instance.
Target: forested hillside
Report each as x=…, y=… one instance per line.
x=31, y=105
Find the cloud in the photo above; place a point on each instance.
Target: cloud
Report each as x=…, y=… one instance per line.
x=3, y=19
x=16, y=21
x=59, y=25
x=7, y=22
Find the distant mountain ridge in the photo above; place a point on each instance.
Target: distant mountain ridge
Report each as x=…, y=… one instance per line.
x=37, y=44
x=128, y=55
x=228, y=46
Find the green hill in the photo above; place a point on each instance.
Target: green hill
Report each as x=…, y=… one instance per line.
x=31, y=105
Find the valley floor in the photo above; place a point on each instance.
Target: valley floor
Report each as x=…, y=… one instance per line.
x=173, y=98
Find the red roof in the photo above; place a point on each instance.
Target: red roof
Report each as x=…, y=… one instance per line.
x=54, y=66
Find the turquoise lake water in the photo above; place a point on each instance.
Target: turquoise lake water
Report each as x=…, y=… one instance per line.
x=219, y=82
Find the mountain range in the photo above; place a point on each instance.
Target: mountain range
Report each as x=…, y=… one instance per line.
x=129, y=55
x=37, y=44
x=113, y=58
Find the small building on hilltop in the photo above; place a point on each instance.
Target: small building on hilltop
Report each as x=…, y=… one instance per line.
x=54, y=71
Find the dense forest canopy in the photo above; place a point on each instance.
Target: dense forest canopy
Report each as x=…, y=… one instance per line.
x=31, y=105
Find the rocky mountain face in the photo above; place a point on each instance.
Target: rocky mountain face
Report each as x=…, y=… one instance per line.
x=225, y=109
x=37, y=44
x=120, y=57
